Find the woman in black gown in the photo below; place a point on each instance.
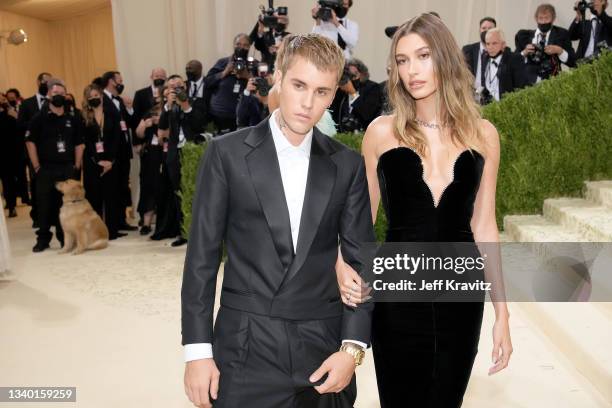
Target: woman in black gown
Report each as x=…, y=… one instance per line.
x=100, y=178
x=434, y=164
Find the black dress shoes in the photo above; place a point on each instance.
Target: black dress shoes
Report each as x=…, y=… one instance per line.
x=116, y=235
x=179, y=241
x=40, y=246
x=145, y=230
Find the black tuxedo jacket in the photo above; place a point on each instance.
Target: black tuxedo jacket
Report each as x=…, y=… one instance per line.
x=511, y=73
x=582, y=31
x=27, y=110
x=200, y=104
x=239, y=201
x=143, y=102
x=470, y=52
x=124, y=150
x=174, y=120
x=366, y=108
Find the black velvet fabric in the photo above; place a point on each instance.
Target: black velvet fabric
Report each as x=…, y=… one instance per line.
x=424, y=352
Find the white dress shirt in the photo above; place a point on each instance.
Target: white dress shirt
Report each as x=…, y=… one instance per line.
x=477, y=83
x=591, y=47
x=293, y=162
x=491, y=78
x=348, y=30
x=40, y=99
x=198, y=86
x=112, y=98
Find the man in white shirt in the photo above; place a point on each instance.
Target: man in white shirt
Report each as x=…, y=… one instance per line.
x=476, y=53
x=504, y=70
x=592, y=30
x=280, y=197
x=333, y=24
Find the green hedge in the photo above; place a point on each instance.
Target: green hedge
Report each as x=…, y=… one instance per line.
x=554, y=136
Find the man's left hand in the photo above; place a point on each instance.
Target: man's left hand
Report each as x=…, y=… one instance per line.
x=339, y=368
x=553, y=50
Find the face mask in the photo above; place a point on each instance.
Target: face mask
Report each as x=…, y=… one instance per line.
x=13, y=103
x=341, y=12
x=280, y=27
x=58, y=101
x=241, y=53
x=43, y=89
x=119, y=88
x=159, y=82
x=483, y=35
x=545, y=27
x=191, y=76
x=94, y=102
x=356, y=83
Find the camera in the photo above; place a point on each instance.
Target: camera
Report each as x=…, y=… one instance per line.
x=325, y=12
x=350, y=123
x=583, y=5
x=544, y=61
x=181, y=94
x=263, y=88
x=483, y=96
x=268, y=19
x=240, y=59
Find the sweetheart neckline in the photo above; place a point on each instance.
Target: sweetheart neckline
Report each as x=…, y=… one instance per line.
x=433, y=199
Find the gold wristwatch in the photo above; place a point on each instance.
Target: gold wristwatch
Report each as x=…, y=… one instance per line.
x=354, y=350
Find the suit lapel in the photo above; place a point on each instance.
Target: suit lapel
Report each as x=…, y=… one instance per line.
x=319, y=186
x=264, y=170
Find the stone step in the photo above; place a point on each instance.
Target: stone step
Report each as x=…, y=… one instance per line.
x=536, y=228
x=599, y=192
x=593, y=221
x=580, y=331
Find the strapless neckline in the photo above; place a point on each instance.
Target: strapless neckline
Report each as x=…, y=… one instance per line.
x=435, y=203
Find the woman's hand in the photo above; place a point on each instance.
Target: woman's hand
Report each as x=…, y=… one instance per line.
x=352, y=288
x=501, y=344
x=106, y=165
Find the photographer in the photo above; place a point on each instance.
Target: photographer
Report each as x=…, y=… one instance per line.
x=253, y=103
x=180, y=123
x=331, y=21
x=55, y=147
x=268, y=33
x=545, y=48
x=476, y=53
x=591, y=31
x=358, y=100
x=224, y=82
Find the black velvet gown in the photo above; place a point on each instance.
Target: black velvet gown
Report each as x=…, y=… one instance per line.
x=424, y=352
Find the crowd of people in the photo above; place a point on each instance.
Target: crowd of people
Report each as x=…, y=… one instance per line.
x=47, y=138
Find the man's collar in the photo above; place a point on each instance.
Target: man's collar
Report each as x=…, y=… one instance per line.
x=281, y=143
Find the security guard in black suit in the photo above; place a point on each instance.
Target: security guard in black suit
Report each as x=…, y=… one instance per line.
x=55, y=146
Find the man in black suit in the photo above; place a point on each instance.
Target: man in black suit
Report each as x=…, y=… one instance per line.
x=545, y=48
x=199, y=98
x=124, y=119
x=591, y=31
x=182, y=123
x=358, y=101
x=28, y=108
x=476, y=53
x=504, y=71
x=146, y=98
x=281, y=196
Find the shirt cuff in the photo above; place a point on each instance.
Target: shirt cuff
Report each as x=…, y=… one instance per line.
x=198, y=351
x=563, y=57
x=359, y=343
x=130, y=110
x=188, y=110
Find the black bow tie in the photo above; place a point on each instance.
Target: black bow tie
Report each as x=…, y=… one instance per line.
x=116, y=97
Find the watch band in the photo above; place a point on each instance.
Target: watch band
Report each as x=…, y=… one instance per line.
x=355, y=351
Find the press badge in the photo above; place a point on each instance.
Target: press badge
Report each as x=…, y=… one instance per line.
x=165, y=147
x=237, y=87
x=123, y=125
x=99, y=147
x=61, y=146
x=154, y=141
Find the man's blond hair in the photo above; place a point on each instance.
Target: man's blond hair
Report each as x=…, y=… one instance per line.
x=322, y=52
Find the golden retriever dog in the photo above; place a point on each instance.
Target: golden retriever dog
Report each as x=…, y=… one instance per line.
x=81, y=224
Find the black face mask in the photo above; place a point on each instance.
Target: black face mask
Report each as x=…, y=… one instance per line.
x=58, y=101
x=483, y=36
x=545, y=27
x=341, y=12
x=13, y=103
x=159, y=82
x=241, y=53
x=191, y=76
x=119, y=88
x=43, y=89
x=280, y=27
x=356, y=83
x=94, y=102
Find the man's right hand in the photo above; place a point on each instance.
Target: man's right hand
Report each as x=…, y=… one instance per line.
x=529, y=49
x=201, y=378
x=578, y=13
x=228, y=68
